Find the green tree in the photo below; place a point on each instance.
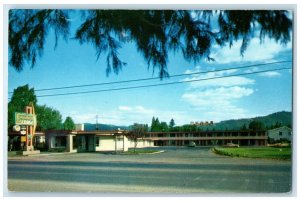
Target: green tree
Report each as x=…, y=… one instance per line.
x=189, y=127
x=138, y=131
x=48, y=118
x=164, y=126
x=152, y=124
x=155, y=125
x=172, y=124
x=156, y=33
x=244, y=127
x=256, y=125
x=21, y=98
x=177, y=128
x=69, y=124
x=277, y=124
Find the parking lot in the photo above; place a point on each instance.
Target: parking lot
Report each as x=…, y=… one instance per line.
x=176, y=170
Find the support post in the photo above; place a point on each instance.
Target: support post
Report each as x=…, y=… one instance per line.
x=116, y=143
x=69, y=143
x=30, y=131
x=125, y=143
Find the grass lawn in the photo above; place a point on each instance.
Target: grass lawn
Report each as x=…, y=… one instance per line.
x=140, y=151
x=255, y=152
x=12, y=154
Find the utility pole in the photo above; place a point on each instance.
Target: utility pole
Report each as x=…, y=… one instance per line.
x=97, y=128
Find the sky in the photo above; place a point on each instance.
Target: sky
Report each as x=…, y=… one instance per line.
x=243, y=96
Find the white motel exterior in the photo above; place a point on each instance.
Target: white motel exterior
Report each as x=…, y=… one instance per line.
x=91, y=141
x=119, y=140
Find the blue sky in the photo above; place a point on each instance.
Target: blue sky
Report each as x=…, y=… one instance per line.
x=214, y=100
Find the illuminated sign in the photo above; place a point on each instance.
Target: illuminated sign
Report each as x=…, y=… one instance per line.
x=23, y=132
x=23, y=138
x=25, y=119
x=17, y=128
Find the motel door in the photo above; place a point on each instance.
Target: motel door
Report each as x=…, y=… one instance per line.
x=86, y=143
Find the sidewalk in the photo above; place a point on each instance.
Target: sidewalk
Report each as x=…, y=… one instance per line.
x=11, y=154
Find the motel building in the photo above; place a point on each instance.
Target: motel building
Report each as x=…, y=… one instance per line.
x=279, y=134
x=119, y=140
x=209, y=138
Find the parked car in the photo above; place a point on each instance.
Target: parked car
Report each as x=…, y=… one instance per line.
x=192, y=144
x=231, y=145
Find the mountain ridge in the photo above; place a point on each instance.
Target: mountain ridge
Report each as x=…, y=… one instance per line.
x=284, y=118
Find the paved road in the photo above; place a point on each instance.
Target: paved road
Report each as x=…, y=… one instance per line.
x=186, y=170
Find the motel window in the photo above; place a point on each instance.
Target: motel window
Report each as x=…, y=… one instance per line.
x=280, y=133
x=97, y=141
x=74, y=142
x=60, y=141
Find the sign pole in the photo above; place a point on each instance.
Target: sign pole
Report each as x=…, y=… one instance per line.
x=28, y=110
x=28, y=120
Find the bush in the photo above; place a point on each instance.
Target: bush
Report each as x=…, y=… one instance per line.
x=261, y=152
x=57, y=150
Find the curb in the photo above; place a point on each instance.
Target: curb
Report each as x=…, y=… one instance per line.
x=53, y=154
x=158, y=152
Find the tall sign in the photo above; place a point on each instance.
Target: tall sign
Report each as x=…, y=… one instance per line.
x=28, y=121
x=24, y=119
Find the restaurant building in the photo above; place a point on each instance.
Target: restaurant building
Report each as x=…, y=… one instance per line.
x=91, y=141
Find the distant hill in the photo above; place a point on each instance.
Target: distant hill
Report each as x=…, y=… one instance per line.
x=90, y=127
x=284, y=118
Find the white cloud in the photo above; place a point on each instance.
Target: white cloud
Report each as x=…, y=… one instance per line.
x=251, y=70
x=218, y=103
x=128, y=115
x=263, y=74
x=84, y=118
x=126, y=108
x=141, y=109
x=218, y=99
x=256, y=51
x=270, y=74
x=225, y=82
x=73, y=112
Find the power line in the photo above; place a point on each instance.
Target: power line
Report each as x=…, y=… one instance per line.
x=154, y=78
x=161, y=84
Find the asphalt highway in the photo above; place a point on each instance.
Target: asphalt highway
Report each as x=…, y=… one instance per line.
x=186, y=170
